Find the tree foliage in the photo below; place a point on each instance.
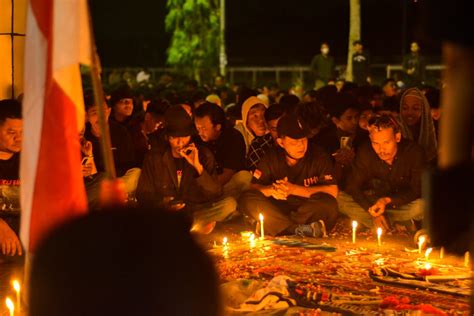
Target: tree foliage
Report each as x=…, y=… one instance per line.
x=194, y=45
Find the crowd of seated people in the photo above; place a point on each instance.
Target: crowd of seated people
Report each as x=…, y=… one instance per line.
x=231, y=151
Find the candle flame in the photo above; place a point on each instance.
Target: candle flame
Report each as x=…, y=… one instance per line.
x=428, y=252
x=252, y=237
x=10, y=304
x=224, y=241
x=260, y=216
x=16, y=285
x=421, y=240
x=379, y=231
x=354, y=224
x=427, y=266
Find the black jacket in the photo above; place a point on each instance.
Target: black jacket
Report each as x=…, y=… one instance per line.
x=400, y=181
x=122, y=148
x=159, y=179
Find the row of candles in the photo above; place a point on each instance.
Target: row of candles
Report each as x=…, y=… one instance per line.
x=421, y=240
x=9, y=302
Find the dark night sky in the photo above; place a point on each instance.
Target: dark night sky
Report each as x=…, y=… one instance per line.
x=259, y=32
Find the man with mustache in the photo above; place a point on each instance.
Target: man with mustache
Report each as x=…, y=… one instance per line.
x=385, y=184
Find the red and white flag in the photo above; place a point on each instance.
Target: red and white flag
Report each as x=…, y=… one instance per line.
x=52, y=189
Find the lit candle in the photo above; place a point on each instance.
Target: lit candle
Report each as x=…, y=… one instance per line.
x=427, y=253
x=10, y=306
x=252, y=240
x=225, y=248
x=466, y=259
x=421, y=241
x=354, y=229
x=262, y=231
x=427, y=266
x=379, y=235
x=441, y=253
x=16, y=287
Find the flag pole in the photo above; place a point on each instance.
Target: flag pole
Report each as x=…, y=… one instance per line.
x=99, y=99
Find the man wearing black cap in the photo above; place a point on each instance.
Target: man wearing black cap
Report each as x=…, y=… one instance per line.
x=183, y=178
x=293, y=186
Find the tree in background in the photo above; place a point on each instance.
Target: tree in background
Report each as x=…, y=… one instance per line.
x=354, y=34
x=194, y=45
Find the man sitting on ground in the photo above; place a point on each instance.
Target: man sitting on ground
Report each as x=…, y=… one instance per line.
x=11, y=129
x=293, y=186
x=184, y=177
x=385, y=184
x=227, y=145
x=122, y=147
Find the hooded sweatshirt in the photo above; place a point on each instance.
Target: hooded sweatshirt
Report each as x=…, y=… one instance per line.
x=242, y=126
x=427, y=137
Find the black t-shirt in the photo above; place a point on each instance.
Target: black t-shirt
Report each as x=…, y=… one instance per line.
x=228, y=150
x=315, y=164
x=360, y=67
x=122, y=148
x=10, y=185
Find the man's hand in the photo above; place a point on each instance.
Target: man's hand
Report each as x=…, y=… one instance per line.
x=177, y=207
x=9, y=241
x=410, y=71
x=381, y=221
x=191, y=154
x=168, y=200
x=272, y=191
x=87, y=169
x=285, y=186
x=379, y=207
x=344, y=156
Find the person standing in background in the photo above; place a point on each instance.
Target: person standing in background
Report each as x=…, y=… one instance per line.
x=323, y=67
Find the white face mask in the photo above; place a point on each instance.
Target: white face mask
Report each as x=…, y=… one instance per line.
x=325, y=50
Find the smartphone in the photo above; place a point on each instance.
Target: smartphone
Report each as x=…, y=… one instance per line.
x=345, y=142
x=175, y=202
x=188, y=150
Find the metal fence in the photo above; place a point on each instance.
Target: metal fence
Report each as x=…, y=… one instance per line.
x=284, y=75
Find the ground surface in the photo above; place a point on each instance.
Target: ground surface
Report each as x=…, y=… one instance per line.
x=346, y=278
